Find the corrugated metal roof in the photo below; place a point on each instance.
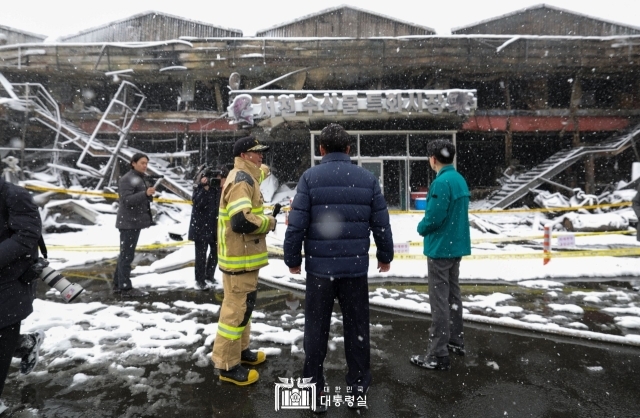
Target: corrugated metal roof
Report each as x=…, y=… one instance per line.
x=18, y=36
x=424, y=29
x=464, y=29
x=187, y=27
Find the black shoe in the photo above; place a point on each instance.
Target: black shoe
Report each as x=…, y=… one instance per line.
x=457, y=349
x=133, y=293
x=239, y=375
x=432, y=362
x=202, y=286
x=30, y=360
x=321, y=404
x=252, y=357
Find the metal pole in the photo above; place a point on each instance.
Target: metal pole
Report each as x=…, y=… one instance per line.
x=24, y=131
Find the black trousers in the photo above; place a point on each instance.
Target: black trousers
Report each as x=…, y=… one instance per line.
x=353, y=297
x=128, y=242
x=206, y=266
x=9, y=341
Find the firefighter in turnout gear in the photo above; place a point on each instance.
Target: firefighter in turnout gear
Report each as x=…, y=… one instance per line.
x=242, y=251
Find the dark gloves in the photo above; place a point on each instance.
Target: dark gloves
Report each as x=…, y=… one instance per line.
x=275, y=212
x=276, y=209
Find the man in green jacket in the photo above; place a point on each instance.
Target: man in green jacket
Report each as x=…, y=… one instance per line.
x=445, y=228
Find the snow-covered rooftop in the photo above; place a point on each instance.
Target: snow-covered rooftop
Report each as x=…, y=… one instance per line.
x=139, y=15
x=536, y=7
x=343, y=6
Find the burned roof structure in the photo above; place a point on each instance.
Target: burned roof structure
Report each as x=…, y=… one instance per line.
x=544, y=19
x=10, y=36
x=507, y=98
x=151, y=26
x=345, y=21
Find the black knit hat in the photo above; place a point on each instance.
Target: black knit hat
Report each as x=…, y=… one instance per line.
x=248, y=144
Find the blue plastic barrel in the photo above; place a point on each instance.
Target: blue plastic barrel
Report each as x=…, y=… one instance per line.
x=421, y=203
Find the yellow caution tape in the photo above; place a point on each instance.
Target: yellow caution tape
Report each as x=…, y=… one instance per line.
x=71, y=191
x=114, y=195
x=597, y=253
x=98, y=194
x=618, y=252
x=100, y=248
x=275, y=250
x=287, y=208
x=534, y=237
x=531, y=237
x=568, y=209
x=509, y=211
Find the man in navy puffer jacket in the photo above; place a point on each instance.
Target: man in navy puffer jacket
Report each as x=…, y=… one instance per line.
x=337, y=206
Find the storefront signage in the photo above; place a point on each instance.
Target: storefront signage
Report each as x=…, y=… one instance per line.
x=250, y=105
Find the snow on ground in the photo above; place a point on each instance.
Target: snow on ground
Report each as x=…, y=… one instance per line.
x=491, y=309
x=136, y=331
x=95, y=332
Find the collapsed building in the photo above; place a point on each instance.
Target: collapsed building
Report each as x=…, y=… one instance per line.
x=550, y=96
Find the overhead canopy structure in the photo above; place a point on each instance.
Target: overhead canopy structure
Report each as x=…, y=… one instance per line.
x=534, y=82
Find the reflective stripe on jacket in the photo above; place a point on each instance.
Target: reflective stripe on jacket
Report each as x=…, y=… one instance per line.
x=243, y=251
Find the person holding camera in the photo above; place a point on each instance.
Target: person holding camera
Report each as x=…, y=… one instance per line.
x=203, y=228
x=20, y=231
x=134, y=214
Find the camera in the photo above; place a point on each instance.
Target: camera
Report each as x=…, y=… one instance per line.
x=40, y=269
x=212, y=175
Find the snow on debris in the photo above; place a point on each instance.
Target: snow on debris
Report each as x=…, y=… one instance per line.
x=632, y=310
x=487, y=301
x=575, y=309
x=280, y=337
x=611, y=294
x=628, y=321
x=540, y=284
x=210, y=307
x=534, y=318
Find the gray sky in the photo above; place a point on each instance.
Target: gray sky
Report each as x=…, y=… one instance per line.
x=63, y=17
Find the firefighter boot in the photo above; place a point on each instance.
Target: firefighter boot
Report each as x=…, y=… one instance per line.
x=239, y=375
x=252, y=357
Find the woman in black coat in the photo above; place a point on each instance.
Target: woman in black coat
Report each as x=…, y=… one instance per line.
x=134, y=214
x=203, y=228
